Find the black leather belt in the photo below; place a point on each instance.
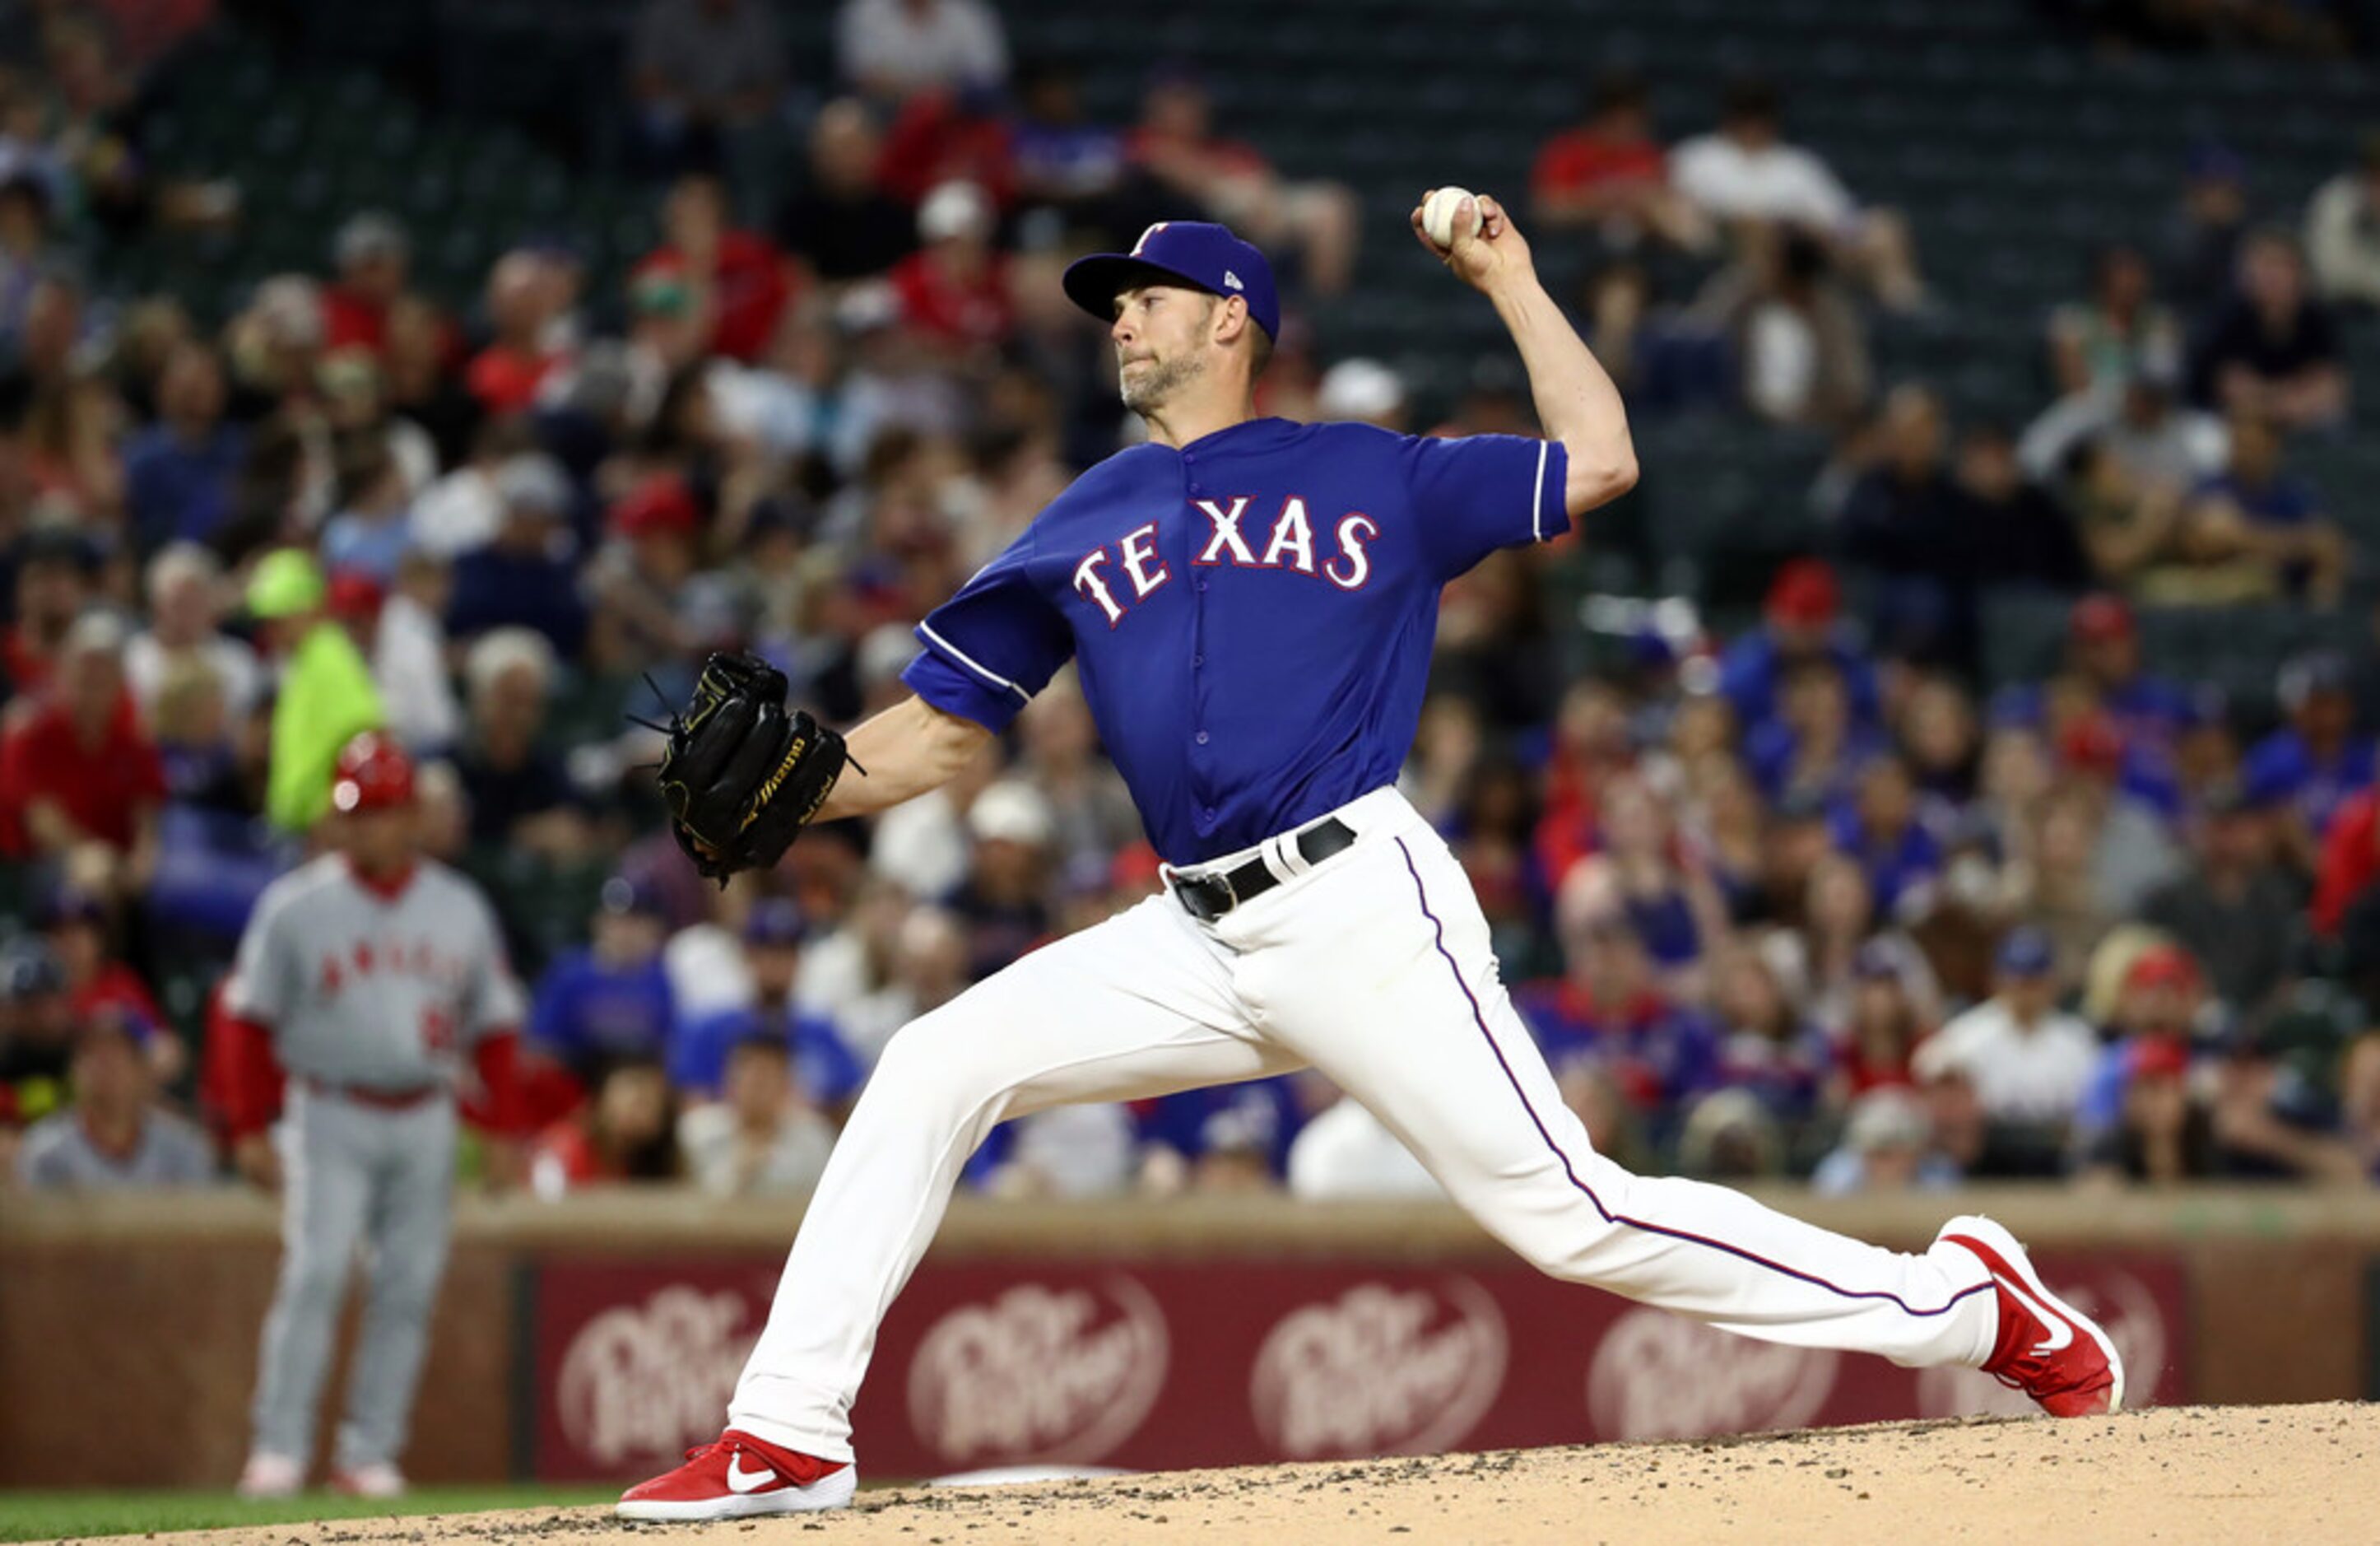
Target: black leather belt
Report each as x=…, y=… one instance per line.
x=1208, y=897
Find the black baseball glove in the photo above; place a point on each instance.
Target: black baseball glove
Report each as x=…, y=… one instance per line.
x=742, y=774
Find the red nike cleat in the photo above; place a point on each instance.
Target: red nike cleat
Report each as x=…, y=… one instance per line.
x=738, y=1477
x=2046, y=1348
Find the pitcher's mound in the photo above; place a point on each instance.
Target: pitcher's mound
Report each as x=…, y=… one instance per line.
x=2295, y=1474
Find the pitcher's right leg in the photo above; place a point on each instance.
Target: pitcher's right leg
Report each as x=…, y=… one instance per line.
x=1139, y=1005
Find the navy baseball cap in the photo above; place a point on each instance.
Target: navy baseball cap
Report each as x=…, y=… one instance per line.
x=1198, y=254
x=2027, y=953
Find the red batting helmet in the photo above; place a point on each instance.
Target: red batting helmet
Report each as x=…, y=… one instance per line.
x=373, y=772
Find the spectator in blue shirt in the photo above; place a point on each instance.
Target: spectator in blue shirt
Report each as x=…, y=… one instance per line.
x=825, y=1067
x=179, y=473
x=2104, y=649
x=1880, y=827
x=1815, y=743
x=1605, y=1010
x=1060, y=156
x=1233, y=1136
x=526, y=576
x=2260, y=528
x=1800, y=620
x=608, y=1001
x=2315, y=761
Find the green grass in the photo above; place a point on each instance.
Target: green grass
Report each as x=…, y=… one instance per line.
x=60, y=1516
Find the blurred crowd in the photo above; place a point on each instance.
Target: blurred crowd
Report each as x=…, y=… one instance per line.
x=2175, y=386
x=1801, y=902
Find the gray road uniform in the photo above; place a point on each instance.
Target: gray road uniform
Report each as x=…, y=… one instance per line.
x=375, y=999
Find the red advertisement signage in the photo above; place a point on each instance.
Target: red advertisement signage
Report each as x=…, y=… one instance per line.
x=1159, y=1365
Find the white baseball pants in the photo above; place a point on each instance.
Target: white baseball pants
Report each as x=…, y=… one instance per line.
x=1373, y=967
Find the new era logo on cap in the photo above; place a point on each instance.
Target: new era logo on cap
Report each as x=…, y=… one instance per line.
x=1198, y=254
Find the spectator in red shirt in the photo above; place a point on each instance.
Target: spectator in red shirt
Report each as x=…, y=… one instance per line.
x=79, y=782
x=1885, y=1024
x=1609, y=172
x=740, y=282
x=503, y=378
x=955, y=291
x=53, y=586
x=2351, y=859
x=1232, y=182
x=374, y=258
x=944, y=135
x=99, y=981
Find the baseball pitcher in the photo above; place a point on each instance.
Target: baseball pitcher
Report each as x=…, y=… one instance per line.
x=366, y=979
x=1250, y=604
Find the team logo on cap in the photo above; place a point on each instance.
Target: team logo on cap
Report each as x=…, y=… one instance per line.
x=1145, y=235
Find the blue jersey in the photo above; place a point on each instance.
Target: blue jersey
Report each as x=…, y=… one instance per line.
x=587, y=1010
x=824, y=1066
x=2283, y=769
x=1251, y=614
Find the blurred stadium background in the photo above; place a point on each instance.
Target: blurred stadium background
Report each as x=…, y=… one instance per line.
x=1951, y=767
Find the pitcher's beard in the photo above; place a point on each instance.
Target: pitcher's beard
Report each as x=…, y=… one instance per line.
x=1158, y=381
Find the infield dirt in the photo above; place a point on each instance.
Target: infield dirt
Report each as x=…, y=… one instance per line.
x=2300, y=1475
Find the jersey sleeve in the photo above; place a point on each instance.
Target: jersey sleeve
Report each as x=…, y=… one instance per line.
x=992, y=647
x=264, y=984
x=1480, y=492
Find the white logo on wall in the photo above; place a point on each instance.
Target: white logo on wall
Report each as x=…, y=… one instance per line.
x=650, y=1379
x=1041, y=1373
x=1380, y=1371
x=2125, y=1309
x=1660, y=1376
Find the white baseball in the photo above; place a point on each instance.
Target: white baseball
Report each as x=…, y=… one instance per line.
x=1438, y=214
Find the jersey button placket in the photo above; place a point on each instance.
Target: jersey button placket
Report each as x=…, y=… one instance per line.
x=1191, y=490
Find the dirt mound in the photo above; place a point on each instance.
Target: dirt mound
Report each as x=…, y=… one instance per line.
x=2296, y=1474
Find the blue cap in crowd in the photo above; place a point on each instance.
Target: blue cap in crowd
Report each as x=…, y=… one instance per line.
x=775, y=920
x=1198, y=254
x=2027, y=953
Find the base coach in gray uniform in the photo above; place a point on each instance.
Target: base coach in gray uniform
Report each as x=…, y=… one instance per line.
x=372, y=979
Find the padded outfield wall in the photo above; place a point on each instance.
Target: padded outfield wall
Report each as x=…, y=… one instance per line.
x=599, y=1336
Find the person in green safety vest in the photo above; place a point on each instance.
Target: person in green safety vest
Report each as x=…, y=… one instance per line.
x=326, y=696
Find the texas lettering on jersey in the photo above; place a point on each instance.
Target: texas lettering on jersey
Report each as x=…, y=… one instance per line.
x=1288, y=545
x=1251, y=613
